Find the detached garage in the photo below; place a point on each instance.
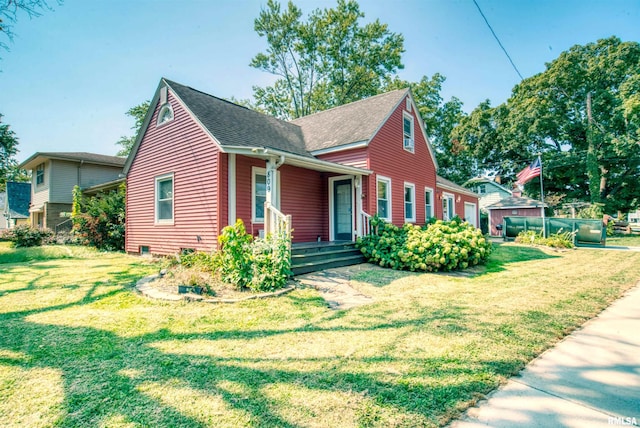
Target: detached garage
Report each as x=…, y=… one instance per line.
x=509, y=207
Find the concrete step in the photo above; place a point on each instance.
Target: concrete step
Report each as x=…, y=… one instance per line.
x=302, y=268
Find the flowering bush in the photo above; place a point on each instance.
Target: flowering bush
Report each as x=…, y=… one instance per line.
x=99, y=220
x=441, y=245
x=26, y=236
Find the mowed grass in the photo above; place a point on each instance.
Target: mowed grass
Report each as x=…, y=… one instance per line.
x=624, y=240
x=79, y=348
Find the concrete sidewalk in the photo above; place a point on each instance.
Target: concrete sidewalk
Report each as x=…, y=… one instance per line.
x=589, y=379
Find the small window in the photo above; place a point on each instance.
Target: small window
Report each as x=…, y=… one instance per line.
x=407, y=131
x=165, y=115
x=409, y=202
x=259, y=194
x=164, y=199
x=384, y=198
x=428, y=204
x=482, y=189
x=40, y=174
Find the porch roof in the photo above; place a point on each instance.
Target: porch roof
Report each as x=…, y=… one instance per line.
x=313, y=164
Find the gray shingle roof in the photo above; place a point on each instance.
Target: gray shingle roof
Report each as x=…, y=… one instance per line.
x=18, y=199
x=453, y=186
x=516, y=202
x=234, y=125
x=349, y=123
x=75, y=156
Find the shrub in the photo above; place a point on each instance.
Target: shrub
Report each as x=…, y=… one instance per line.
x=555, y=240
x=260, y=264
x=99, y=220
x=26, y=236
x=441, y=245
x=207, y=262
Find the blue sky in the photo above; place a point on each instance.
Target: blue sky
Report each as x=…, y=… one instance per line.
x=71, y=74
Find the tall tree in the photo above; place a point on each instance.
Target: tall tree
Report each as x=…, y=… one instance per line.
x=326, y=61
x=581, y=114
x=138, y=113
x=8, y=151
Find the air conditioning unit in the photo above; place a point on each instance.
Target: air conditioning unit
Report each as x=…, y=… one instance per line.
x=408, y=143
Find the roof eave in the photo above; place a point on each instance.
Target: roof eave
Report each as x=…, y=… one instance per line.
x=297, y=160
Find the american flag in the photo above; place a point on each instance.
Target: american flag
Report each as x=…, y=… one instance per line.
x=529, y=172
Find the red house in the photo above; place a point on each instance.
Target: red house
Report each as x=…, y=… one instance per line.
x=200, y=163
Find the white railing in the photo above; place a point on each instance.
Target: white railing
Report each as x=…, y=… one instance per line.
x=366, y=223
x=276, y=222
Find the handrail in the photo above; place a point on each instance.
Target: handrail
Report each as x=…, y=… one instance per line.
x=58, y=226
x=366, y=223
x=276, y=222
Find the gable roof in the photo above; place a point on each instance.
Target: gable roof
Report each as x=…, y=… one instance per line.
x=515, y=202
x=37, y=158
x=233, y=125
x=485, y=180
x=450, y=185
x=18, y=199
x=349, y=123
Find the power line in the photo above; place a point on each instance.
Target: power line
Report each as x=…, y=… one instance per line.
x=497, y=39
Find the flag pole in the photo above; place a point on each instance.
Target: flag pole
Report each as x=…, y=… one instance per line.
x=544, y=232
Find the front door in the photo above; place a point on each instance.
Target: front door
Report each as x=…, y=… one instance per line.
x=342, y=211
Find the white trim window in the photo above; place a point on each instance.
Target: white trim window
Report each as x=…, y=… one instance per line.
x=164, y=199
x=428, y=204
x=383, y=189
x=408, y=142
x=40, y=174
x=165, y=115
x=409, y=202
x=448, y=206
x=258, y=193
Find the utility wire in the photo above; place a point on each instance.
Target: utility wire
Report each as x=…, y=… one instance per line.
x=497, y=39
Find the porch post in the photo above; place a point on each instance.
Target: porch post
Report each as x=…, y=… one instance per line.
x=271, y=192
x=358, y=182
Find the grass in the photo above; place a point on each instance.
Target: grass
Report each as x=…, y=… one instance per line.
x=79, y=348
x=624, y=240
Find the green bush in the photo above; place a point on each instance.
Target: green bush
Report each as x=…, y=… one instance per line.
x=99, y=220
x=260, y=264
x=26, y=236
x=555, y=240
x=207, y=262
x=441, y=245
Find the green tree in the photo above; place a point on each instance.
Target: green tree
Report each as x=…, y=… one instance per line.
x=8, y=151
x=326, y=61
x=581, y=114
x=138, y=113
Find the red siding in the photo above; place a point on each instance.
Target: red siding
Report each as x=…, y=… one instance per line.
x=353, y=157
x=497, y=217
x=180, y=147
x=388, y=158
x=303, y=195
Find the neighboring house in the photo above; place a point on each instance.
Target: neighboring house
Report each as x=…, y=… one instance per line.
x=634, y=216
x=200, y=162
x=55, y=174
x=488, y=190
x=16, y=206
x=513, y=206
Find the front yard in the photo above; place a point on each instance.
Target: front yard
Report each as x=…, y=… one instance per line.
x=79, y=348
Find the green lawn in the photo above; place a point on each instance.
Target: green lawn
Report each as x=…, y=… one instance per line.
x=624, y=240
x=79, y=348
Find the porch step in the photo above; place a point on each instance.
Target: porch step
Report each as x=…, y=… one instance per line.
x=312, y=257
